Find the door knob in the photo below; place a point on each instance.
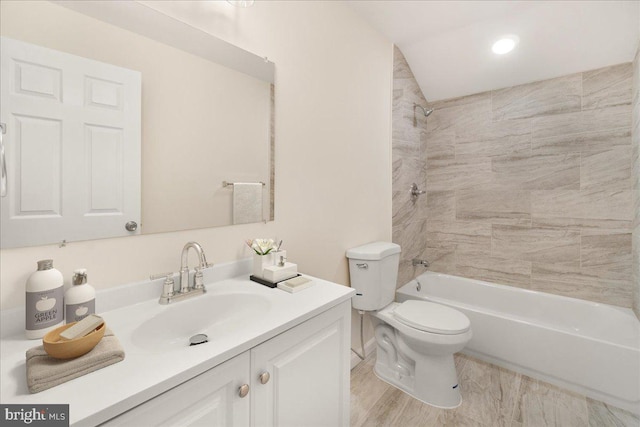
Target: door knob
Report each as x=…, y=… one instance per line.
x=264, y=377
x=244, y=390
x=131, y=226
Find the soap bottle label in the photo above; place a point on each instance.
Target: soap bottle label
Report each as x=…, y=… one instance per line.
x=44, y=308
x=77, y=312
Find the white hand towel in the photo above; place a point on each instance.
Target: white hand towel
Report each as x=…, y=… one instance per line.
x=247, y=202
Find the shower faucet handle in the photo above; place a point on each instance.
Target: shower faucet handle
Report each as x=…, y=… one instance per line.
x=414, y=190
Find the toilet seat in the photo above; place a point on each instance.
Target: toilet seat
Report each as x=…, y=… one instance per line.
x=431, y=317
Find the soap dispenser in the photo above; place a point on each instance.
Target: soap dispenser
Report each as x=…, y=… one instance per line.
x=80, y=299
x=44, y=295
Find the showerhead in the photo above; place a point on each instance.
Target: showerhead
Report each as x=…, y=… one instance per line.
x=426, y=112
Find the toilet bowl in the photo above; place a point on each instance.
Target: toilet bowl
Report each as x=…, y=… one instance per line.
x=415, y=340
x=418, y=361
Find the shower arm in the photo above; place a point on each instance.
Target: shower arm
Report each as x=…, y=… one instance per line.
x=426, y=112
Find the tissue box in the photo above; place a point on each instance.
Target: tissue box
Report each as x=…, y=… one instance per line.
x=276, y=273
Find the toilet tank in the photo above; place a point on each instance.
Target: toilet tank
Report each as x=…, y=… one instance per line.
x=373, y=269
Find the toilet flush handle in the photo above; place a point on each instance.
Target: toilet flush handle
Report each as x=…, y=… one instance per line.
x=363, y=265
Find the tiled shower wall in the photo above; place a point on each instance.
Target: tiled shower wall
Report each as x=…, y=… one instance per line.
x=528, y=186
x=636, y=183
x=409, y=166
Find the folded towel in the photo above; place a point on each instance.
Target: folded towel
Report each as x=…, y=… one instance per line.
x=247, y=202
x=44, y=371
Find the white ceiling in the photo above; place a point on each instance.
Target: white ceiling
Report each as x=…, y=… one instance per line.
x=448, y=43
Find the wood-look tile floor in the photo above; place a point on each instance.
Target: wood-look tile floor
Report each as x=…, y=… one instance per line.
x=491, y=397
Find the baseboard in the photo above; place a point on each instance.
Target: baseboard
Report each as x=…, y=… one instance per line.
x=369, y=348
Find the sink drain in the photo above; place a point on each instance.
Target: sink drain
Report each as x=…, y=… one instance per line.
x=198, y=339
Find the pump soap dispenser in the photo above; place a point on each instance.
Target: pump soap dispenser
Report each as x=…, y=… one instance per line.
x=44, y=294
x=80, y=300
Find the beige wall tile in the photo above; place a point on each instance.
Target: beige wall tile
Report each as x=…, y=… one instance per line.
x=412, y=240
x=401, y=69
x=636, y=185
x=606, y=254
x=497, y=270
x=406, y=171
x=582, y=208
x=473, y=110
x=635, y=267
x=618, y=117
x=441, y=205
x=559, y=95
x=460, y=234
x=581, y=223
x=610, y=169
x=582, y=142
x=556, y=204
x=569, y=279
x=537, y=172
x=510, y=137
x=607, y=86
x=496, y=207
x=441, y=260
x=458, y=174
x=607, y=204
x=535, y=244
x=406, y=209
x=440, y=145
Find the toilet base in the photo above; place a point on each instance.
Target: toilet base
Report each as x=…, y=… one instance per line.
x=437, y=385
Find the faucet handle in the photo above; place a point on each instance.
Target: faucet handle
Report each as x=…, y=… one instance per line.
x=167, y=286
x=198, y=279
x=157, y=276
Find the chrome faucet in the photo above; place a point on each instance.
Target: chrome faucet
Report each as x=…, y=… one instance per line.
x=184, y=268
x=168, y=289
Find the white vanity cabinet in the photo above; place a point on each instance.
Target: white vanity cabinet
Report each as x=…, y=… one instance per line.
x=305, y=372
x=297, y=378
x=210, y=399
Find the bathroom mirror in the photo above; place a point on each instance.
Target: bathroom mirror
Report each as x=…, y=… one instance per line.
x=206, y=118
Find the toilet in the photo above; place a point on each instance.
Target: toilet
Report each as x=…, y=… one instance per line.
x=415, y=340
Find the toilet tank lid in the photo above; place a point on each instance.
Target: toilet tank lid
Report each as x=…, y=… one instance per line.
x=373, y=251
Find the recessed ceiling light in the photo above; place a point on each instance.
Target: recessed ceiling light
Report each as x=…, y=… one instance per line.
x=505, y=44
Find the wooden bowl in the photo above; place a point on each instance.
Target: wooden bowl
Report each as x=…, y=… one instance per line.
x=68, y=349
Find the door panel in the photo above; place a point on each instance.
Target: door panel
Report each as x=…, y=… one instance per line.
x=72, y=146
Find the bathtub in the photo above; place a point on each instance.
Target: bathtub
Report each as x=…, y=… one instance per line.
x=590, y=348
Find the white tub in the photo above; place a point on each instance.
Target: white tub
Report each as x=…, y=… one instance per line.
x=587, y=347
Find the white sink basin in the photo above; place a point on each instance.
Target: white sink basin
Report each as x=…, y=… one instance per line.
x=212, y=314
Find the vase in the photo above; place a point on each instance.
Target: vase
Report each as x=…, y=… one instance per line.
x=260, y=262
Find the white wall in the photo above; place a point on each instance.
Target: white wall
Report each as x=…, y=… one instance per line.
x=333, y=151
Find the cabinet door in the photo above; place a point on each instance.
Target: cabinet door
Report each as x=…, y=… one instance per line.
x=308, y=367
x=210, y=399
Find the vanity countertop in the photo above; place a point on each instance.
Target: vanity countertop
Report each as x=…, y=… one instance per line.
x=149, y=370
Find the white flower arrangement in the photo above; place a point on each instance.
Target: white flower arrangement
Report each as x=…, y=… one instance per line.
x=261, y=246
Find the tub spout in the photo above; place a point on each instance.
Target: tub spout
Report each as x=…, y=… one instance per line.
x=422, y=262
